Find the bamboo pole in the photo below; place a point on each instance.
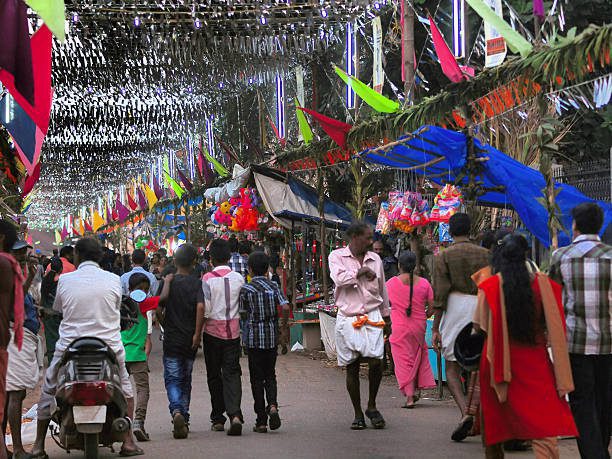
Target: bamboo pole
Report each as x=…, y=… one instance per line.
x=408, y=45
x=322, y=235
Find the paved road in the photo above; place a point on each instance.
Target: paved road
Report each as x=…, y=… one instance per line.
x=316, y=417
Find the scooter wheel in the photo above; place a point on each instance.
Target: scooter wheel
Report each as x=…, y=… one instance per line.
x=91, y=446
x=121, y=425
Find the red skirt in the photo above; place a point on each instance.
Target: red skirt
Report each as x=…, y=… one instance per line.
x=533, y=408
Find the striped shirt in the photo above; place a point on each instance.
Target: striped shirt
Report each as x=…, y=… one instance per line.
x=258, y=301
x=584, y=270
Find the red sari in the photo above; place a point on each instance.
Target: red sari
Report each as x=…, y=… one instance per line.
x=533, y=408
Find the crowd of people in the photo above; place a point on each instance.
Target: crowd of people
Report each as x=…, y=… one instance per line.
x=497, y=320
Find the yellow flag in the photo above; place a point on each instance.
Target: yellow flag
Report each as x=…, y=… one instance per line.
x=150, y=194
x=81, y=227
x=98, y=221
x=58, y=238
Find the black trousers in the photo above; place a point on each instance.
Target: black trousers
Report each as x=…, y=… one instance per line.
x=591, y=403
x=262, y=367
x=223, y=374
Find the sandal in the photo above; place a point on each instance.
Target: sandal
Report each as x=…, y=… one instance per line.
x=377, y=420
x=463, y=429
x=408, y=406
x=358, y=424
x=275, y=420
x=130, y=453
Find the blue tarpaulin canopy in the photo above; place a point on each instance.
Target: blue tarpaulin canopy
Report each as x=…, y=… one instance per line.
x=441, y=155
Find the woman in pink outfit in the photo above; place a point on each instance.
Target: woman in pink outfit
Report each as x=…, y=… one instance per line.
x=411, y=299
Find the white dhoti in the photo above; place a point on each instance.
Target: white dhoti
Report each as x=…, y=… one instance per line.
x=364, y=341
x=24, y=365
x=459, y=312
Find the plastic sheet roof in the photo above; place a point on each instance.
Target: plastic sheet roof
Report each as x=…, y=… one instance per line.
x=522, y=185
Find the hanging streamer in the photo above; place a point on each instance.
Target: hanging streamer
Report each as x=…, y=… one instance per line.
x=305, y=131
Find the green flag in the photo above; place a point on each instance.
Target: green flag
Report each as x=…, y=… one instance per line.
x=174, y=184
x=515, y=41
x=303, y=124
x=377, y=101
x=220, y=168
x=52, y=12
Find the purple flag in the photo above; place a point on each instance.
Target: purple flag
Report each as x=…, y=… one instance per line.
x=122, y=211
x=186, y=183
x=142, y=201
x=157, y=189
x=538, y=9
x=15, y=52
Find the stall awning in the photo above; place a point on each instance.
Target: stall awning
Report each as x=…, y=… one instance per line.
x=288, y=199
x=441, y=155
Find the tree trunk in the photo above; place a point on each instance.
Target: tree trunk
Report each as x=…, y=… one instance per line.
x=322, y=235
x=408, y=45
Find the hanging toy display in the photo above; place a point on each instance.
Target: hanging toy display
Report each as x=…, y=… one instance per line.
x=404, y=212
x=446, y=204
x=238, y=214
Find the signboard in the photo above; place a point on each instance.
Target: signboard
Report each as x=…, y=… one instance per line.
x=378, y=76
x=495, y=44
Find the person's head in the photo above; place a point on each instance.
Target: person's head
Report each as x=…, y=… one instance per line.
x=259, y=263
x=67, y=252
x=244, y=247
x=185, y=256
x=162, y=252
x=163, y=261
x=139, y=281
x=406, y=262
x=8, y=235
x=87, y=249
x=155, y=259
x=379, y=248
x=588, y=218
x=55, y=252
x=459, y=225
x=488, y=239
x=233, y=244
x=56, y=265
x=170, y=269
x=20, y=252
x=360, y=236
x=220, y=252
x=510, y=260
x=138, y=257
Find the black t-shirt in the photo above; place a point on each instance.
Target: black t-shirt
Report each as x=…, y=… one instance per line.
x=180, y=320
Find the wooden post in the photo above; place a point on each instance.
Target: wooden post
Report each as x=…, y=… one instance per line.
x=292, y=267
x=408, y=42
x=322, y=235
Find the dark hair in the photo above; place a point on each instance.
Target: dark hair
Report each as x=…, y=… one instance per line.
x=56, y=265
x=407, y=262
x=259, y=263
x=167, y=270
x=357, y=228
x=138, y=257
x=459, y=225
x=185, y=255
x=138, y=278
x=89, y=249
x=498, y=238
x=233, y=244
x=244, y=247
x=588, y=217
x=220, y=251
x=510, y=261
x=488, y=239
x=10, y=234
x=66, y=250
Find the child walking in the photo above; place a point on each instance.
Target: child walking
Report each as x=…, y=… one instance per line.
x=258, y=307
x=181, y=309
x=137, y=343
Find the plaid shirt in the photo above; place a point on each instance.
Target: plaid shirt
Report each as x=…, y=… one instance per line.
x=258, y=301
x=239, y=264
x=583, y=268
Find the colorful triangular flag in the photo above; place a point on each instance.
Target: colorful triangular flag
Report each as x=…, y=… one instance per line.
x=185, y=181
x=64, y=234
x=150, y=194
x=220, y=168
x=142, y=200
x=98, y=221
x=449, y=64
x=131, y=201
x=88, y=227
x=377, y=101
x=122, y=212
x=175, y=186
x=337, y=130
x=305, y=130
x=31, y=181
x=52, y=12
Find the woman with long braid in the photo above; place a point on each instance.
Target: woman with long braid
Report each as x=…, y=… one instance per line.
x=411, y=299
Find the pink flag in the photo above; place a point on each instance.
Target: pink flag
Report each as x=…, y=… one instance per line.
x=337, y=130
x=109, y=215
x=88, y=227
x=31, y=181
x=64, y=233
x=157, y=189
x=447, y=60
x=186, y=183
x=538, y=9
x=142, y=201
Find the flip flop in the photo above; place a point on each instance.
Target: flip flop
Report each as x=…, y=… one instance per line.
x=135, y=452
x=377, y=420
x=463, y=429
x=358, y=424
x=410, y=407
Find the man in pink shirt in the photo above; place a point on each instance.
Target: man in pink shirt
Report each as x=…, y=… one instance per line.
x=363, y=317
x=66, y=255
x=221, y=341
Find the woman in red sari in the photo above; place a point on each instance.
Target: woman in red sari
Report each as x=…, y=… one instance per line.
x=522, y=392
x=411, y=298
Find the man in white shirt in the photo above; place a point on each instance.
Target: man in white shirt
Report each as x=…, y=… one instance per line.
x=138, y=260
x=89, y=300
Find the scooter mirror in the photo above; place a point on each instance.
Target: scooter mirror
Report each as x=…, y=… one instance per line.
x=138, y=296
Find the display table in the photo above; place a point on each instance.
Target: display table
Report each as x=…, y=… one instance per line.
x=305, y=330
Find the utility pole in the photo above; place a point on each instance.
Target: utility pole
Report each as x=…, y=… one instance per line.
x=408, y=47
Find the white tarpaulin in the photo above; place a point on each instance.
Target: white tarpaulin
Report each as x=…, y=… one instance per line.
x=284, y=204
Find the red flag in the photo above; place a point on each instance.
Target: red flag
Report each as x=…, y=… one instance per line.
x=41, y=45
x=114, y=214
x=31, y=181
x=184, y=180
x=88, y=227
x=337, y=130
x=15, y=52
x=282, y=141
x=131, y=201
x=447, y=60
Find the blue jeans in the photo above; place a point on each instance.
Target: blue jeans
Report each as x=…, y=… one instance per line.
x=177, y=376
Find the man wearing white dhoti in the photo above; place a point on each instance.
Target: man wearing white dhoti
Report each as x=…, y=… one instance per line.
x=363, y=317
x=454, y=302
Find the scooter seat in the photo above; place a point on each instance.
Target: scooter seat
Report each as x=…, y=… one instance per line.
x=90, y=345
